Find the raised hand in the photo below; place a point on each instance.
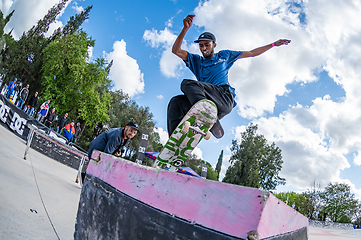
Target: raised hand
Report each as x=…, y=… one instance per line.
x=282, y=42
x=188, y=21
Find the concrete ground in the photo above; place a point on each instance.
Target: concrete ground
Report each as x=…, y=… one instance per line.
x=33, y=189
x=330, y=234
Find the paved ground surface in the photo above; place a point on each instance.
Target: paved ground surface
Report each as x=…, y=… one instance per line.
x=330, y=234
x=26, y=185
x=40, y=181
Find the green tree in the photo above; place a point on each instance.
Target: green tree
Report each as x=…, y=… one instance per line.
x=25, y=56
x=195, y=164
x=357, y=216
x=287, y=197
x=73, y=25
x=5, y=42
x=72, y=84
x=255, y=163
x=270, y=166
x=212, y=174
x=339, y=203
x=302, y=201
x=314, y=196
x=154, y=144
x=4, y=21
x=219, y=164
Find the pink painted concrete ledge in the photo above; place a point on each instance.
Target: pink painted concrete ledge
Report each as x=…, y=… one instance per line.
x=227, y=208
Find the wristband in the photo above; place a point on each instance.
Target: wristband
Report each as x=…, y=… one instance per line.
x=273, y=44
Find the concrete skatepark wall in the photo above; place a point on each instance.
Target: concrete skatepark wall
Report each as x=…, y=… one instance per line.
x=19, y=123
x=124, y=200
x=331, y=225
x=63, y=153
x=16, y=119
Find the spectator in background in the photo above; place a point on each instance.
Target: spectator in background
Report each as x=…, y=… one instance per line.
x=23, y=96
x=50, y=118
x=69, y=130
x=44, y=109
x=61, y=123
x=31, y=104
x=11, y=88
x=77, y=133
x=113, y=140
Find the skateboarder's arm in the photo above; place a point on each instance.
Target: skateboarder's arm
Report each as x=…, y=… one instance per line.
x=176, y=49
x=260, y=50
x=114, y=141
x=111, y=146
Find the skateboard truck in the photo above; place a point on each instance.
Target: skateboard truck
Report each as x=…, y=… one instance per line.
x=187, y=126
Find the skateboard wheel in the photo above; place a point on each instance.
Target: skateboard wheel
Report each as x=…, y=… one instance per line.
x=186, y=126
x=178, y=163
x=208, y=136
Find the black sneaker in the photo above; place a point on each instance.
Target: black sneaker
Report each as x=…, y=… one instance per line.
x=217, y=130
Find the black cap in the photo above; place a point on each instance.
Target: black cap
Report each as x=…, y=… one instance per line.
x=206, y=36
x=133, y=124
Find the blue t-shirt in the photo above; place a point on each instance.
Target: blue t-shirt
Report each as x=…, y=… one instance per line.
x=213, y=70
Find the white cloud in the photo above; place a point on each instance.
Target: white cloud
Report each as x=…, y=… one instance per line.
x=162, y=134
x=169, y=23
x=53, y=26
x=125, y=71
x=258, y=81
x=5, y=6
x=314, y=139
x=27, y=14
x=357, y=159
x=90, y=52
x=198, y=152
x=78, y=9
x=164, y=39
x=306, y=154
x=160, y=96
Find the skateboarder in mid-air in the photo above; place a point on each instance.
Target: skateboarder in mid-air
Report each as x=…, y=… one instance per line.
x=211, y=72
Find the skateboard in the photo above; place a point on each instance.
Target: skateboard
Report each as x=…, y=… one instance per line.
x=189, y=132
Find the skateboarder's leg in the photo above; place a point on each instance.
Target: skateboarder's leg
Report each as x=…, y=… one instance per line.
x=220, y=95
x=177, y=108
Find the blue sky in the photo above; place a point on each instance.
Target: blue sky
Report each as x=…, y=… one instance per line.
x=305, y=97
